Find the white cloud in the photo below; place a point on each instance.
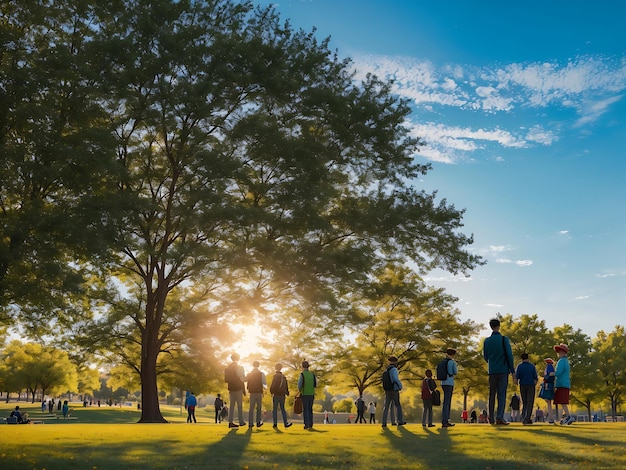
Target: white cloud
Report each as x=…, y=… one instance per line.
x=587, y=85
x=524, y=262
x=582, y=297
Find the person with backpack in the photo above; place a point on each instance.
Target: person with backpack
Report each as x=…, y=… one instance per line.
x=306, y=385
x=279, y=390
x=360, y=410
x=256, y=384
x=446, y=370
x=219, y=404
x=235, y=377
x=499, y=357
x=428, y=387
x=392, y=387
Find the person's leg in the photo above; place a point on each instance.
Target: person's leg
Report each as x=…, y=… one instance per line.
x=239, y=398
x=307, y=405
x=259, y=409
x=231, y=411
x=281, y=404
x=493, y=385
x=424, y=413
x=447, y=403
x=396, y=399
x=503, y=382
x=386, y=409
x=275, y=401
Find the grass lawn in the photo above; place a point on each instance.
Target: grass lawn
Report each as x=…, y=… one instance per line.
x=109, y=438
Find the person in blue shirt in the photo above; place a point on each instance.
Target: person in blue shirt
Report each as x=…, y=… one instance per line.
x=447, y=386
x=392, y=397
x=499, y=357
x=562, y=383
x=191, y=404
x=527, y=378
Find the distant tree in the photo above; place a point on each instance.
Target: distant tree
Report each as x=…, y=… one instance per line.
x=610, y=354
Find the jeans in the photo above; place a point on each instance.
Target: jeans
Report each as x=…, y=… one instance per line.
x=279, y=403
x=528, y=399
x=236, y=398
x=447, y=403
x=498, y=384
x=392, y=397
x=427, y=414
x=256, y=400
x=307, y=410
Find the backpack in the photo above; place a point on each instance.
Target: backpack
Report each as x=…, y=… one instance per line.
x=387, y=385
x=442, y=369
x=230, y=375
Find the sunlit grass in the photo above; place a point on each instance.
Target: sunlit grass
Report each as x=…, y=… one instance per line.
x=107, y=438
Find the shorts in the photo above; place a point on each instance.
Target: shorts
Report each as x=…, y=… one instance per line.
x=561, y=396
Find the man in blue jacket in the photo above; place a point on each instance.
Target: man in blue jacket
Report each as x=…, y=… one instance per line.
x=499, y=357
x=392, y=396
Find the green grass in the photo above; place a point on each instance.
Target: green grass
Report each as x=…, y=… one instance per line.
x=108, y=438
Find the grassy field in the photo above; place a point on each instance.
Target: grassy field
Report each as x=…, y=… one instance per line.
x=109, y=438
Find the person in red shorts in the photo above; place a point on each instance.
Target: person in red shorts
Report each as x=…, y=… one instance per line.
x=562, y=382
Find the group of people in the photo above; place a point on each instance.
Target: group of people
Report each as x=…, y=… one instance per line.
x=255, y=382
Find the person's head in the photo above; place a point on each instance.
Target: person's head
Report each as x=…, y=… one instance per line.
x=17, y=407
x=190, y=392
x=305, y=365
x=219, y=395
x=234, y=357
x=429, y=373
x=255, y=364
x=524, y=356
x=392, y=360
x=494, y=324
x=451, y=352
x=278, y=367
x=561, y=349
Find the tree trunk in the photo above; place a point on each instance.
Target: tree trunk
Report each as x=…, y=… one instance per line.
x=150, y=410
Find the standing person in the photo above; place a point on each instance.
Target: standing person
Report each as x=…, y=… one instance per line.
x=392, y=392
x=428, y=386
x=547, y=388
x=279, y=390
x=190, y=403
x=65, y=409
x=219, y=404
x=360, y=410
x=562, y=382
x=235, y=377
x=371, y=408
x=256, y=384
x=447, y=386
x=499, y=357
x=527, y=378
x=306, y=385
x=515, y=404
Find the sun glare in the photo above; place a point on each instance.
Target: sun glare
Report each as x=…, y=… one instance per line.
x=248, y=344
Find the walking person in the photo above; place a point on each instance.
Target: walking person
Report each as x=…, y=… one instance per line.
x=190, y=403
x=562, y=383
x=219, y=404
x=392, y=392
x=447, y=385
x=499, y=357
x=515, y=405
x=306, y=385
x=371, y=408
x=547, y=388
x=279, y=389
x=360, y=410
x=428, y=386
x=235, y=377
x=527, y=378
x=256, y=384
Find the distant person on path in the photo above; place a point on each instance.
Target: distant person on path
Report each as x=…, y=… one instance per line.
x=428, y=386
x=65, y=409
x=371, y=409
x=235, y=377
x=190, y=403
x=547, y=388
x=256, y=384
x=279, y=390
x=306, y=385
x=219, y=404
x=499, y=357
x=447, y=386
x=392, y=396
x=515, y=405
x=527, y=378
x=473, y=417
x=360, y=410
x=562, y=382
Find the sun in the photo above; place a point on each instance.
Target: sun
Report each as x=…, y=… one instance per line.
x=248, y=344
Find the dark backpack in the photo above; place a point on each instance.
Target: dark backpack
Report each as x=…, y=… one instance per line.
x=387, y=384
x=442, y=369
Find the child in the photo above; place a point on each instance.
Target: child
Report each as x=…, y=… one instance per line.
x=547, y=389
x=562, y=382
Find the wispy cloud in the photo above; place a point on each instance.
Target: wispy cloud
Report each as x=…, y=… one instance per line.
x=588, y=86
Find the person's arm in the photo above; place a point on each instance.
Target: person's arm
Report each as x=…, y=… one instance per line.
x=300, y=381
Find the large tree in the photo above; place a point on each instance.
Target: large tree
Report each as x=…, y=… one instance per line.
x=258, y=174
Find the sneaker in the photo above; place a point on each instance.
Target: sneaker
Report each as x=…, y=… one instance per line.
x=400, y=424
x=288, y=425
x=447, y=425
x=550, y=422
x=569, y=420
x=258, y=425
x=384, y=425
x=233, y=425
x=250, y=426
x=275, y=426
x=431, y=425
x=502, y=422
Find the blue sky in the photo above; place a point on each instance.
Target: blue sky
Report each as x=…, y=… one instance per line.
x=523, y=108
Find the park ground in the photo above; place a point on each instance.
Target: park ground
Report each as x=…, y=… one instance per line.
x=109, y=438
